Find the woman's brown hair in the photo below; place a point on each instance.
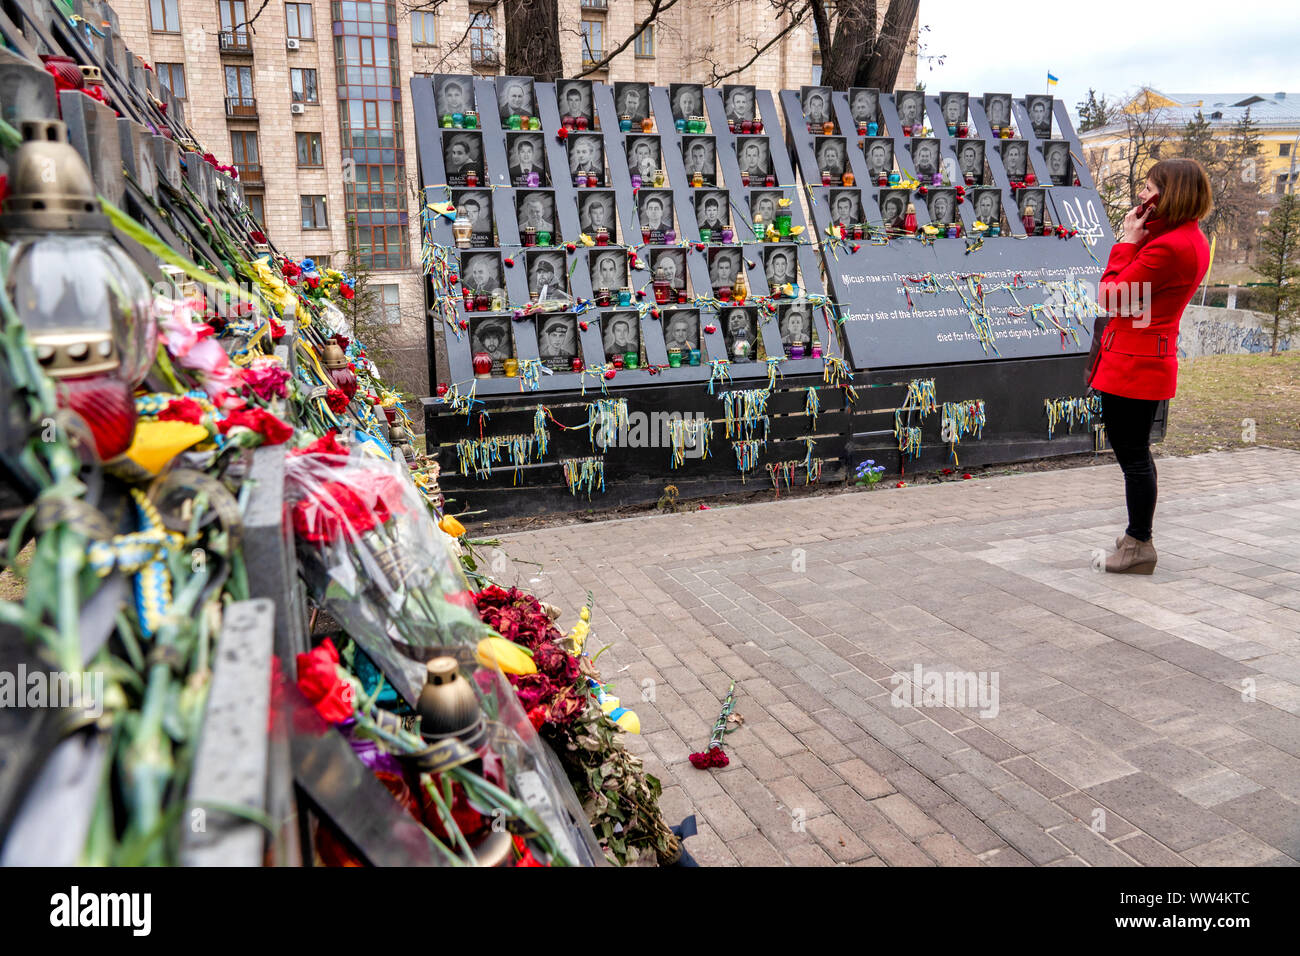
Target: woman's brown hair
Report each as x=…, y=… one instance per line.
x=1184, y=189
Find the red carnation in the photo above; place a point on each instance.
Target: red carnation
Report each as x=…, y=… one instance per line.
x=182, y=410
x=259, y=420
x=337, y=400
x=319, y=681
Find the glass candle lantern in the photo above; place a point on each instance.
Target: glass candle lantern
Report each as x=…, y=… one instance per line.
x=796, y=350
x=617, y=361
x=482, y=302
x=826, y=177
x=816, y=351
x=744, y=177
x=857, y=230
x=724, y=293
x=513, y=122
x=543, y=237
x=1028, y=220
x=648, y=124
x=995, y=229
x=576, y=364
x=534, y=123
x=848, y=179
x=674, y=358
x=936, y=179
x=697, y=179
x=706, y=234
x=997, y=131
x=769, y=179
x=728, y=235
x=602, y=237
x=862, y=129
x=624, y=297
x=741, y=348
x=511, y=367
x=569, y=122
x=694, y=358
x=882, y=178
x=758, y=126
x=952, y=129
x=602, y=297
x=741, y=289
x=534, y=179
x=471, y=178
x=670, y=236
x=469, y=300
x=970, y=179
x=828, y=128
x=952, y=231
x=680, y=123
x=759, y=227
x=747, y=126
x=482, y=365
x=461, y=228
x=580, y=122
x=907, y=129
x=525, y=121
x=630, y=359
x=963, y=130
x=662, y=288
x=625, y=123
x=660, y=178
x=731, y=127
x=530, y=235
x=636, y=180
x=895, y=178
x=909, y=220
x=783, y=221
x=580, y=178
x=645, y=235
x=498, y=301
x=873, y=129
x=458, y=120
x=471, y=120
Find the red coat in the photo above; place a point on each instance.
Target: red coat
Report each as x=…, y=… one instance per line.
x=1145, y=288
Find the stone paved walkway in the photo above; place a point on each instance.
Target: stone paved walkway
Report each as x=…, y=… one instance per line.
x=1139, y=720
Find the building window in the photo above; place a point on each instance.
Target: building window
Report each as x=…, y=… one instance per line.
x=255, y=207
x=172, y=76
x=382, y=247
x=1279, y=187
x=309, y=151
x=313, y=212
x=165, y=16
x=234, y=24
x=422, y=31
x=322, y=262
x=1284, y=149
x=388, y=304
x=303, y=83
x=243, y=144
x=239, y=84
x=645, y=42
x=595, y=4
x=482, y=40
x=297, y=19
x=593, y=40
x=817, y=74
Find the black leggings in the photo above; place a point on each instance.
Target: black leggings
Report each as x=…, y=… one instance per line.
x=1128, y=428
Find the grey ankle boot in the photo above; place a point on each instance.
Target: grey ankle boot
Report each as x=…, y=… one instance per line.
x=1132, y=557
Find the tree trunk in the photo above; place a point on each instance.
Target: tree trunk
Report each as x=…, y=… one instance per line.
x=533, y=39
x=852, y=43
x=880, y=68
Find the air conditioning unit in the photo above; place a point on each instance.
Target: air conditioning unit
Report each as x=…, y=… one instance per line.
x=297, y=108
x=292, y=43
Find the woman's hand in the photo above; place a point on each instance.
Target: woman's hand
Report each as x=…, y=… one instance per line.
x=1135, y=225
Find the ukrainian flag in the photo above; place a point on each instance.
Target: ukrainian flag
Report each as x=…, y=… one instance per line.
x=1051, y=80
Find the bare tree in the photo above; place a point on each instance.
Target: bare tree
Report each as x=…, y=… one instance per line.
x=1120, y=168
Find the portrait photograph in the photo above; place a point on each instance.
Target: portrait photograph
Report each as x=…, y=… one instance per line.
x=536, y=208
x=682, y=329
x=557, y=340
x=941, y=203
x=986, y=204
x=1035, y=198
x=643, y=157
x=754, y=156
x=712, y=210
x=997, y=107
x=864, y=104
x=482, y=272
x=879, y=151
x=970, y=159
x=739, y=324
x=515, y=97
x=547, y=273
x=816, y=103
x=846, y=206
x=620, y=334
x=911, y=106
x=953, y=107
x=453, y=93
x=893, y=206
x=608, y=270
x=587, y=152
x=462, y=151
x=831, y=156
x=687, y=100
x=655, y=212
x=491, y=334
x=597, y=211
x=738, y=103
x=669, y=264
x=632, y=99
x=1059, y=167
x=476, y=206
x=780, y=265
x=925, y=158
x=795, y=322
x=526, y=154
x=699, y=155
x=1039, y=108
x=1014, y=158
x=724, y=266
x=765, y=203
x=574, y=99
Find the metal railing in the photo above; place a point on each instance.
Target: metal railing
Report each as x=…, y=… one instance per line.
x=250, y=174
x=235, y=41
x=243, y=106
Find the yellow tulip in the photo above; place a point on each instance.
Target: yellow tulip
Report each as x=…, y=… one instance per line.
x=451, y=526
x=510, y=657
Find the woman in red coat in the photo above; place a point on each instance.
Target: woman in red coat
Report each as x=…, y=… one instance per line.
x=1150, y=278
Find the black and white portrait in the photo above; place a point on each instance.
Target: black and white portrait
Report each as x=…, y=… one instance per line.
x=893, y=206
x=738, y=102
x=846, y=206
x=491, y=334
x=1039, y=108
x=970, y=160
x=724, y=266
x=526, y=153
x=1057, y=154
x=795, y=321
x=587, y=154
x=699, y=155
x=711, y=210
x=864, y=105
x=476, y=206
x=831, y=156
x=738, y=325
x=574, y=100
x=632, y=99
x=669, y=265
x=655, y=212
x=1034, y=199
x=621, y=333
x=1014, y=158
x=608, y=270
x=953, y=107
x=911, y=106
x=765, y=202
x=987, y=204
x=754, y=156
x=941, y=203
x=682, y=329
x=462, y=151
x=643, y=157
x=879, y=151
x=557, y=340
x=482, y=272
x=780, y=265
x=536, y=208
x=687, y=100
x=453, y=93
x=925, y=157
x=515, y=96
x=997, y=107
x=816, y=102
x=597, y=211
x=547, y=276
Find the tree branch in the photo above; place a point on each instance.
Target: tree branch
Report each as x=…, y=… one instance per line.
x=760, y=50
x=658, y=7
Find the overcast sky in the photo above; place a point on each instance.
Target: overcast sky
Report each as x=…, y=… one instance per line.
x=1113, y=46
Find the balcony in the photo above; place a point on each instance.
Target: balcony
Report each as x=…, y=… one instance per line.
x=595, y=4
x=241, y=107
x=480, y=57
x=236, y=42
x=250, y=174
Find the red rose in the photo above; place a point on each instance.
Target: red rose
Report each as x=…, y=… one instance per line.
x=259, y=420
x=533, y=690
x=319, y=681
x=182, y=410
x=537, y=717
x=333, y=509
x=556, y=663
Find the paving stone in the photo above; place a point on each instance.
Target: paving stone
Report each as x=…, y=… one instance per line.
x=1157, y=810
x=863, y=779
x=808, y=855
x=755, y=850
x=906, y=815
x=1237, y=849
x=1148, y=852
x=1268, y=816
x=837, y=839
x=1044, y=781
x=947, y=851
x=1027, y=837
